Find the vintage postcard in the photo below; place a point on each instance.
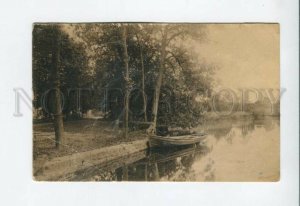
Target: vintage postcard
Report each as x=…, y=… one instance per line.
x=156, y=102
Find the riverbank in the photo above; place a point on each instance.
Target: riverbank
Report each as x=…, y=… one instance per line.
x=67, y=167
x=226, y=115
x=89, y=134
x=93, y=142
x=81, y=137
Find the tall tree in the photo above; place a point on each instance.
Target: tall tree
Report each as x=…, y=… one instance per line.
x=59, y=64
x=73, y=70
x=58, y=117
x=154, y=50
x=143, y=77
x=169, y=38
x=152, y=128
x=127, y=80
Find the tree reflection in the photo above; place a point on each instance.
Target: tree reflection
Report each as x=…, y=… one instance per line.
x=176, y=164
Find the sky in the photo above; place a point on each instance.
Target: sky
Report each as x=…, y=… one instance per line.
x=247, y=55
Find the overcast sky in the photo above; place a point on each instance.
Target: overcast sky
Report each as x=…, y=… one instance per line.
x=247, y=54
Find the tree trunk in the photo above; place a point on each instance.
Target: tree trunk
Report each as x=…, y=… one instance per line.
x=152, y=129
x=126, y=77
x=125, y=173
x=156, y=172
x=58, y=117
x=143, y=81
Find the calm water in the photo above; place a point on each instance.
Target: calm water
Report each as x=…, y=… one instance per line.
x=240, y=150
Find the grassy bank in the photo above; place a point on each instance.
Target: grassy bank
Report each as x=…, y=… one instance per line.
x=79, y=136
x=86, y=143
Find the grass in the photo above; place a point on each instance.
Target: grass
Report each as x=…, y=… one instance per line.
x=79, y=136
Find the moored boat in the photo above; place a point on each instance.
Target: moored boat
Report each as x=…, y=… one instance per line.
x=166, y=141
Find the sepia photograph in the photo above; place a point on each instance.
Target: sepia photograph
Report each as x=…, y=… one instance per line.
x=183, y=102
x=149, y=103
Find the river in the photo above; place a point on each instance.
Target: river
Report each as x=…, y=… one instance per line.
x=235, y=150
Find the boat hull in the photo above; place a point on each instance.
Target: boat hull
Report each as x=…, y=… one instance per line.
x=159, y=141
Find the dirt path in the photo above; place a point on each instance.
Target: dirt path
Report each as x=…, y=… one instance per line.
x=80, y=136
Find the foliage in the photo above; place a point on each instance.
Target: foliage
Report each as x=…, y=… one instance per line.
x=72, y=67
x=94, y=59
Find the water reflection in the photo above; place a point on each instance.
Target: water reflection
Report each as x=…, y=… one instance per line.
x=236, y=150
x=160, y=165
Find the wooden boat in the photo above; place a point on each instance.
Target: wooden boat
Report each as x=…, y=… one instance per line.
x=165, y=141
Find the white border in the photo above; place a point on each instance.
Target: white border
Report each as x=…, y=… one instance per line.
x=17, y=186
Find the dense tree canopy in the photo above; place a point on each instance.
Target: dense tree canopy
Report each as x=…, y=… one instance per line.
x=72, y=68
x=159, y=62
